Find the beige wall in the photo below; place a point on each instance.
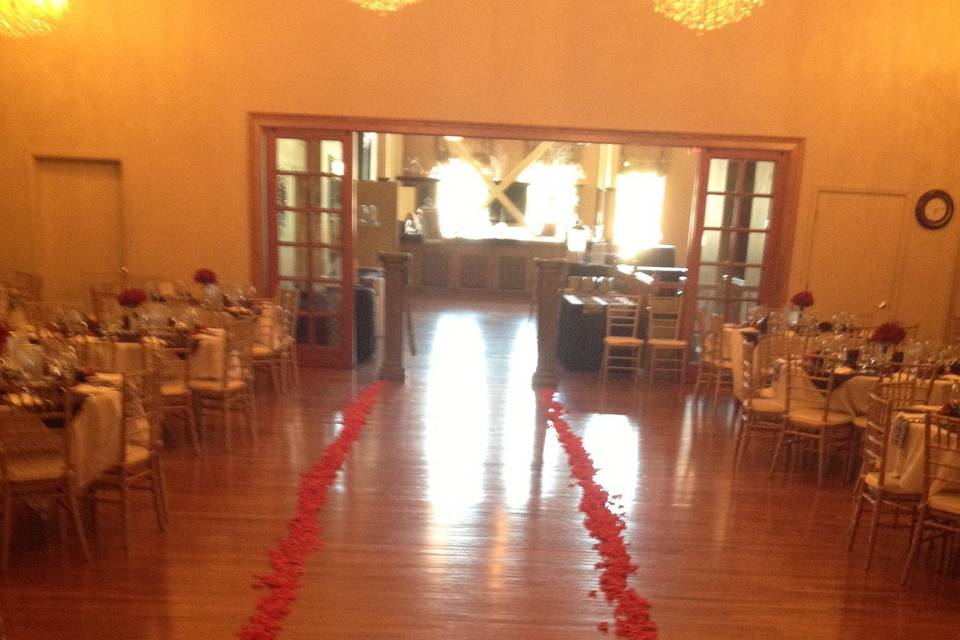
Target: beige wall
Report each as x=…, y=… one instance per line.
x=165, y=88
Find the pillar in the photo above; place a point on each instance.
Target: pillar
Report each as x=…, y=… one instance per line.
x=547, y=291
x=395, y=281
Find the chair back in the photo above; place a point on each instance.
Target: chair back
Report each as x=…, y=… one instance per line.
x=142, y=416
x=21, y=435
x=238, y=358
x=876, y=435
x=769, y=349
x=811, y=380
x=901, y=394
x=622, y=319
x=942, y=454
x=664, y=318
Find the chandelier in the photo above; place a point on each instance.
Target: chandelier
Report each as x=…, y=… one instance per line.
x=706, y=15
x=384, y=6
x=24, y=18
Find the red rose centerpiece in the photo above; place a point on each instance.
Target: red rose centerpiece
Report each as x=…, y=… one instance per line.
x=802, y=299
x=889, y=333
x=205, y=277
x=131, y=298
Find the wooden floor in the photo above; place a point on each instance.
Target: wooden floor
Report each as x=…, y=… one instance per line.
x=455, y=518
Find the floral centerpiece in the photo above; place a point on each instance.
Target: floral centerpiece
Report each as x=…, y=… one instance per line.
x=802, y=300
x=131, y=298
x=205, y=277
x=889, y=333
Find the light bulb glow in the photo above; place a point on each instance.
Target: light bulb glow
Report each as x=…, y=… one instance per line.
x=384, y=6
x=24, y=18
x=706, y=15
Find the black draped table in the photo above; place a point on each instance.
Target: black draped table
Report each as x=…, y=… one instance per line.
x=583, y=321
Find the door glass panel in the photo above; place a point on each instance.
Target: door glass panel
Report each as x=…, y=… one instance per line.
x=710, y=246
x=292, y=226
x=326, y=263
x=291, y=154
x=292, y=262
x=722, y=173
x=763, y=175
x=293, y=191
x=326, y=193
x=755, y=246
x=326, y=298
x=328, y=156
x=326, y=228
x=717, y=210
x=759, y=212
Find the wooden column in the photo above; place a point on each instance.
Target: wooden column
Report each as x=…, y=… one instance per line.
x=547, y=290
x=395, y=282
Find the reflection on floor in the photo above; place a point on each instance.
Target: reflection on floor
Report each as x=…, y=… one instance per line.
x=454, y=517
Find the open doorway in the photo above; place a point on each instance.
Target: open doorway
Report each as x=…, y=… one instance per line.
x=476, y=204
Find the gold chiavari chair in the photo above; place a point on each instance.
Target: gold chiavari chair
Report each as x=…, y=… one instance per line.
x=290, y=303
x=265, y=351
x=138, y=468
x=233, y=389
x=622, y=349
x=35, y=461
x=176, y=398
x=707, y=370
x=809, y=419
x=759, y=416
x=876, y=486
x=939, y=510
x=666, y=352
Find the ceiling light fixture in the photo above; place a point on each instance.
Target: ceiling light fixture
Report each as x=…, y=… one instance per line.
x=385, y=6
x=706, y=15
x=24, y=18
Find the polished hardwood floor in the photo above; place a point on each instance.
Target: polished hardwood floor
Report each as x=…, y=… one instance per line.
x=454, y=517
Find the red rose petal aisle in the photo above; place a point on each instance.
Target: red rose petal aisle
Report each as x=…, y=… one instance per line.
x=288, y=556
x=632, y=613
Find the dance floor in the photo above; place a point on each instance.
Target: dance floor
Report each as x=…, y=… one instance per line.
x=455, y=517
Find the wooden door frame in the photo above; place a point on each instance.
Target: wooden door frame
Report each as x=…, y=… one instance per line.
x=792, y=149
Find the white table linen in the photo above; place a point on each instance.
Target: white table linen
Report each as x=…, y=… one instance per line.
x=94, y=434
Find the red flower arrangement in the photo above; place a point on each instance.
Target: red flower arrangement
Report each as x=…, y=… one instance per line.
x=889, y=333
x=802, y=299
x=205, y=276
x=632, y=612
x=131, y=298
x=289, y=555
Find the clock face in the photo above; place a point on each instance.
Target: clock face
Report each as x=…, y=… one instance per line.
x=934, y=209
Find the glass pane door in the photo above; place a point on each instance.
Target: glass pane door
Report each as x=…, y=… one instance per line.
x=735, y=216
x=310, y=230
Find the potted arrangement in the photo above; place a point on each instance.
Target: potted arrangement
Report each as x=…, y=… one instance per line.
x=207, y=278
x=130, y=299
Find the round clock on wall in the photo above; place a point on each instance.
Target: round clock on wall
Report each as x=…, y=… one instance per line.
x=934, y=209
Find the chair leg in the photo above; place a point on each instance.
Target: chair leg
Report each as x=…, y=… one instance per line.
x=603, y=363
x=78, y=523
x=125, y=509
x=855, y=523
x=821, y=458
x=159, y=495
x=250, y=414
x=295, y=363
x=776, y=452
x=275, y=376
x=192, y=427
x=683, y=367
x=914, y=546
x=874, y=525
x=741, y=427
x=7, y=525
x=700, y=372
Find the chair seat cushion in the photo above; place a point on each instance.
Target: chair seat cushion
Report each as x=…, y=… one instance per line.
x=891, y=484
x=815, y=418
x=36, y=467
x=262, y=351
x=767, y=392
x=765, y=405
x=171, y=389
x=947, y=502
x=667, y=343
x=860, y=422
x=622, y=341
x=136, y=454
x=923, y=408
x=216, y=386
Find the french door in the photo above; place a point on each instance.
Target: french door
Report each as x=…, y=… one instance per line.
x=735, y=259
x=310, y=233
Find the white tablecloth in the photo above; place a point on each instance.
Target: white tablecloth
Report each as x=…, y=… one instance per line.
x=94, y=434
x=905, y=459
